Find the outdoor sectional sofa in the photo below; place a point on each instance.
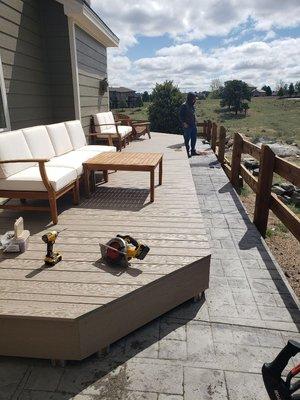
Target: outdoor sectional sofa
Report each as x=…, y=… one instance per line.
x=44, y=162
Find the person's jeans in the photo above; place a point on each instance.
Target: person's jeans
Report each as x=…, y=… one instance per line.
x=190, y=135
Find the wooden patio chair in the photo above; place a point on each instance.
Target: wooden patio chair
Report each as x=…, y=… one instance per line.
x=139, y=127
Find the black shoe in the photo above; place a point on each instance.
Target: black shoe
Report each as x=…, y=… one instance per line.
x=194, y=153
x=189, y=155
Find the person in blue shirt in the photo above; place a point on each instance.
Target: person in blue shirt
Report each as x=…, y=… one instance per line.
x=188, y=122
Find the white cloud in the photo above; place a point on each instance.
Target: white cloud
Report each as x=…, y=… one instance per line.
x=193, y=20
x=264, y=59
x=192, y=69
x=270, y=35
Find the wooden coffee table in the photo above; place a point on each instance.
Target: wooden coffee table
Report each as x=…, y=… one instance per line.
x=123, y=161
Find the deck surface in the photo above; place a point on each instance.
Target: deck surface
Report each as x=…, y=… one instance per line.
x=211, y=350
x=172, y=226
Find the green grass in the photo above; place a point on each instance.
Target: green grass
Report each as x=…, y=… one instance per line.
x=267, y=117
x=245, y=190
x=270, y=117
x=135, y=113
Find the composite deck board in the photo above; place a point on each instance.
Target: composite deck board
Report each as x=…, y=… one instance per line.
x=92, y=304
x=88, y=267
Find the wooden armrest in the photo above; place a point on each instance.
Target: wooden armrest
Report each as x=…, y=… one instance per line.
x=33, y=160
x=42, y=169
x=140, y=123
x=116, y=123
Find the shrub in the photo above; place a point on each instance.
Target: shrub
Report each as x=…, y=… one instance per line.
x=164, y=109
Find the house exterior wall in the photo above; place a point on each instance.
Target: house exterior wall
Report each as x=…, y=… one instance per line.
x=92, y=68
x=58, y=58
x=24, y=66
x=35, y=58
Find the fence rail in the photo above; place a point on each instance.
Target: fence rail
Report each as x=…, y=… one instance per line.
x=269, y=164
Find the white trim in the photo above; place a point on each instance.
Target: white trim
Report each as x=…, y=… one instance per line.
x=86, y=19
x=74, y=63
x=4, y=100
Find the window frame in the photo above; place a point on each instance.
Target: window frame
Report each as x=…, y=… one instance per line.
x=4, y=100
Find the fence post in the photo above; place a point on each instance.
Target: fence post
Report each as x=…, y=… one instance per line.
x=222, y=142
x=204, y=129
x=214, y=133
x=208, y=130
x=263, y=197
x=236, y=160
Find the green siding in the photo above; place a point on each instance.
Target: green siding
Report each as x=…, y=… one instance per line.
x=34, y=48
x=59, y=60
x=92, y=68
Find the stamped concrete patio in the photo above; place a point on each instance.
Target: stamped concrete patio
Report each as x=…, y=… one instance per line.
x=211, y=350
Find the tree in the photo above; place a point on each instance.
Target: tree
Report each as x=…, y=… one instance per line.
x=245, y=107
x=122, y=104
x=139, y=101
x=164, y=109
x=297, y=87
x=145, y=96
x=280, y=92
x=216, y=86
x=291, y=89
x=234, y=93
x=280, y=85
x=268, y=90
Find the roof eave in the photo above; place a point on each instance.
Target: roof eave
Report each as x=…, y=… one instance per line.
x=89, y=21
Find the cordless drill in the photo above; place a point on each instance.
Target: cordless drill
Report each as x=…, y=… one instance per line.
x=51, y=257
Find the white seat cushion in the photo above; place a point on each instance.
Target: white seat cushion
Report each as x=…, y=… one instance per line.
x=30, y=179
x=60, y=138
x=97, y=148
x=105, y=118
x=74, y=160
x=13, y=146
x=76, y=134
x=123, y=130
x=39, y=142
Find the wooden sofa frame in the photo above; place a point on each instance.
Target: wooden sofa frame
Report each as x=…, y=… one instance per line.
x=120, y=141
x=50, y=194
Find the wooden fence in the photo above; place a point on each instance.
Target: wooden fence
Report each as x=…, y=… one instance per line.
x=269, y=164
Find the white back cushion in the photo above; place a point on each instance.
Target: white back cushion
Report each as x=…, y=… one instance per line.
x=105, y=118
x=13, y=146
x=60, y=138
x=39, y=142
x=76, y=134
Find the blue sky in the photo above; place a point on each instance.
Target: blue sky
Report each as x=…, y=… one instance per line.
x=192, y=43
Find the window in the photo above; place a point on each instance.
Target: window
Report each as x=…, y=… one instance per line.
x=4, y=115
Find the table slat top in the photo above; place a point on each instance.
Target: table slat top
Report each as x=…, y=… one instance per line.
x=126, y=159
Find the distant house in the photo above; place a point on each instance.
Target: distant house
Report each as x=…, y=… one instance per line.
x=258, y=93
x=52, y=60
x=251, y=87
x=123, y=97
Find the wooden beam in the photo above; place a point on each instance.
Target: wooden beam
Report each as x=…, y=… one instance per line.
x=249, y=178
x=288, y=170
x=263, y=197
x=236, y=160
x=252, y=149
x=214, y=133
x=286, y=216
x=222, y=142
x=227, y=170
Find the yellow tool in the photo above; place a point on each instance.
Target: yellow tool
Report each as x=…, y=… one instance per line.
x=121, y=249
x=51, y=257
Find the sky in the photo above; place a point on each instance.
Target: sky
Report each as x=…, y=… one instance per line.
x=193, y=42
